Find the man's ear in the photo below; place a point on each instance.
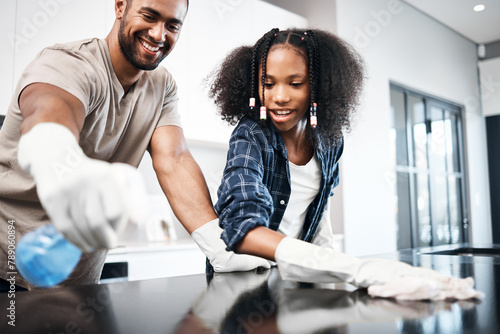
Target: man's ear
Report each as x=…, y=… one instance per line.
x=120, y=6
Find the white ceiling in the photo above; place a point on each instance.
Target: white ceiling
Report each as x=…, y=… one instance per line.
x=480, y=27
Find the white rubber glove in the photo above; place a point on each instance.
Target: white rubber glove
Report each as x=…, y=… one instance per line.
x=208, y=238
x=301, y=261
x=83, y=197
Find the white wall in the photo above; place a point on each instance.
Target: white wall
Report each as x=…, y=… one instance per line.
x=213, y=28
x=319, y=13
x=490, y=86
x=30, y=25
x=402, y=45
x=7, y=24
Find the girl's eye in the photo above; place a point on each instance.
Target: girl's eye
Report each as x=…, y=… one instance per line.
x=296, y=84
x=268, y=84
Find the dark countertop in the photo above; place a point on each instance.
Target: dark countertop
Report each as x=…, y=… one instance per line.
x=254, y=302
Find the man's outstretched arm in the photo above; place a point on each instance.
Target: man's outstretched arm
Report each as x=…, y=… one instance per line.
x=183, y=183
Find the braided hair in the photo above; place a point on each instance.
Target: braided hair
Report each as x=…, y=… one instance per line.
x=336, y=78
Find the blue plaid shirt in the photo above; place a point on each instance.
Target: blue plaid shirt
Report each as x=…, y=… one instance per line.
x=255, y=186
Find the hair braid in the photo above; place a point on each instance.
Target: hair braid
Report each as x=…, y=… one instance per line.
x=316, y=62
x=266, y=46
x=267, y=38
x=312, y=74
x=253, y=69
x=310, y=41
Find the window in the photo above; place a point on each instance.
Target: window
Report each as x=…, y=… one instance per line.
x=431, y=204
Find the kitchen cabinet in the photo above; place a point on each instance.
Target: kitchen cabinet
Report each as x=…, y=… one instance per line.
x=147, y=260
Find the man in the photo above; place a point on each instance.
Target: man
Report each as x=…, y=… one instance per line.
x=81, y=107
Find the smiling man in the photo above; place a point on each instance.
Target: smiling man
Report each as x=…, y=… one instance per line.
x=79, y=108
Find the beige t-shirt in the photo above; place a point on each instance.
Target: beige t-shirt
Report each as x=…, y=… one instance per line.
x=117, y=128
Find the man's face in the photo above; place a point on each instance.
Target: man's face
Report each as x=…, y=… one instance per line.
x=149, y=30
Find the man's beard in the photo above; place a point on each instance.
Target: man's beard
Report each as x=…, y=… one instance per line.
x=129, y=50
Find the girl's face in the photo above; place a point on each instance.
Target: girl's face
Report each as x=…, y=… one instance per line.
x=287, y=89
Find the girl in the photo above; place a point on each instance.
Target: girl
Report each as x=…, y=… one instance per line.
x=291, y=95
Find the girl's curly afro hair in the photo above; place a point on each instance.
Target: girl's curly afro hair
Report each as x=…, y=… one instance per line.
x=336, y=72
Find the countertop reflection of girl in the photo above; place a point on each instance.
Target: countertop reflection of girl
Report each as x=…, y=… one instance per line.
x=292, y=95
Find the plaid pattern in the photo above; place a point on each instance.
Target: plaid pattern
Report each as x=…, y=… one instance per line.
x=255, y=186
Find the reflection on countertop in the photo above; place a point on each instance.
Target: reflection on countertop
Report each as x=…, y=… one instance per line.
x=260, y=302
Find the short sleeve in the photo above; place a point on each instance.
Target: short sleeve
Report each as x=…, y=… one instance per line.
x=170, y=110
x=67, y=69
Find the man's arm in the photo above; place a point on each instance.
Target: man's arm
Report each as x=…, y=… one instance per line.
x=181, y=178
x=40, y=102
x=184, y=185
x=82, y=196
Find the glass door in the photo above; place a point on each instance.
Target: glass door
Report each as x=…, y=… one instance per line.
x=431, y=205
x=445, y=174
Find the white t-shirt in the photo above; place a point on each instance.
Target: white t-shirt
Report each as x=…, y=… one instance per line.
x=305, y=183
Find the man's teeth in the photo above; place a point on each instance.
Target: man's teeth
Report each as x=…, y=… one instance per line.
x=149, y=47
x=282, y=112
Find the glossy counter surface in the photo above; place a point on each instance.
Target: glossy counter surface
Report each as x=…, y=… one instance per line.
x=254, y=302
